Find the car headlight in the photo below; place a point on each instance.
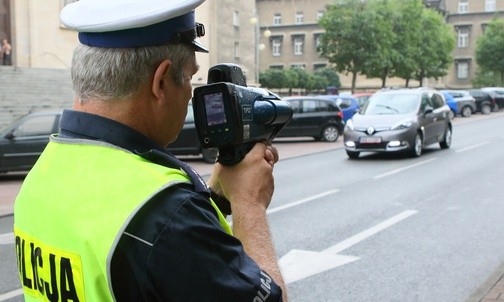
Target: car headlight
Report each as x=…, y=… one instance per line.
x=404, y=124
x=349, y=125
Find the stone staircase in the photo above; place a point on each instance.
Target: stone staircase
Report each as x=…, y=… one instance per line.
x=23, y=90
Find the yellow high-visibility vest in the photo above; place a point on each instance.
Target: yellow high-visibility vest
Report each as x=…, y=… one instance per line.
x=71, y=211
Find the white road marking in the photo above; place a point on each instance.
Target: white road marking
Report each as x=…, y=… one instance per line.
x=472, y=147
x=404, y=168
x=12, y=294
x=369, y=232
x=305, y=200
x=298, y=264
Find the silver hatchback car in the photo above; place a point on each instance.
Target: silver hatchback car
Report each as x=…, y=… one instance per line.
x=399, y=120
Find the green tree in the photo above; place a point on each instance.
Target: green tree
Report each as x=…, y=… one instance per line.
x=330, y=75
x=383, y=38
x=437, y=43
x=348, y=39
x=317, y=83
x=302, y=77
x=291, y=79
x=273, y=78
x=382, y=52
x=486, y=78
x=407, y=42
x=490, y=50
x=299, y=78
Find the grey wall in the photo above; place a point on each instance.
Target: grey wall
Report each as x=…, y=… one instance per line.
x=32, y=89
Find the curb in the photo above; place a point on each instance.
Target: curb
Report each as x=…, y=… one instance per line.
x=481, y=292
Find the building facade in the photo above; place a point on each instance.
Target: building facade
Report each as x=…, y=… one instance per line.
x=256, y=35
x=292, y=36
x=293, y=33
x=39, y=40
x=468, y=19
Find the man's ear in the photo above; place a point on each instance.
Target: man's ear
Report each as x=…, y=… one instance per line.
x=160, y=78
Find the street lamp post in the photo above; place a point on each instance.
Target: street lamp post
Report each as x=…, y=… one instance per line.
x=258, y=46
x=255, y=21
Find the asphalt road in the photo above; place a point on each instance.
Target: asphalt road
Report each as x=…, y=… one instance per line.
x=384, y=228
x=380, y=228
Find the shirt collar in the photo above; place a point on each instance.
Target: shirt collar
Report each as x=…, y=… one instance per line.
x=82, y=125
x=77, y=124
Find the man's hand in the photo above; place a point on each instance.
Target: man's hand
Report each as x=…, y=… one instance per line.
x=251, y=178
x=249, y=187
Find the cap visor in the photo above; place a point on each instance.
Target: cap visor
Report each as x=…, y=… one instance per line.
x=198, y=46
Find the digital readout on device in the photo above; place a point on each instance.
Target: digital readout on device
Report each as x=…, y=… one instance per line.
x=214, y=106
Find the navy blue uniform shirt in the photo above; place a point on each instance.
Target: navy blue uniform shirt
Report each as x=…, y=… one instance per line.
x=174, y=249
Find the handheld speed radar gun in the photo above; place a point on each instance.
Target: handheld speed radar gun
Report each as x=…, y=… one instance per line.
x=233, y=117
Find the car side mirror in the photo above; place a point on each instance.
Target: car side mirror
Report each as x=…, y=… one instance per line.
x=428, y=110
x=10, y=135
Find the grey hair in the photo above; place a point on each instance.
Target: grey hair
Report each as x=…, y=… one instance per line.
x=118, y=73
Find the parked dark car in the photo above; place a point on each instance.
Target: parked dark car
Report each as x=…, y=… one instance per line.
x=484, y=101
x=402, y=120
x=348, y=104
x=23, y=140
x=497, y=93
x=312, y=116
x=187, y=142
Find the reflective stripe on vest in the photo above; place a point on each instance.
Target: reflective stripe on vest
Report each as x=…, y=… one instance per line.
x=63, y=246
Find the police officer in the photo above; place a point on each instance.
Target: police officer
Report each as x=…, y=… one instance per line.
x=107, y=214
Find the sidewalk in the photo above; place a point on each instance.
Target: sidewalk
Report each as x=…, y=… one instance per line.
x=492, y=290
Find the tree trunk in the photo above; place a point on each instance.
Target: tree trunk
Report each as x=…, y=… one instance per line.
x=354, y=80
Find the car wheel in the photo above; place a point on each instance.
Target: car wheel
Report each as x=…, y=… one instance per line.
x=353, y=154
x=330, y=133
x=210, y=155
x=416, y=151
x=466, y=111
x=486, y=109
x=447, y=139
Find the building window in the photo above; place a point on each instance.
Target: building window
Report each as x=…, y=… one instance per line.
x=484, y=27
x=319, y=66
x=277, y=19
x=489, y=5
x=276, y=67
x=276, y=47
x=317, y=38
x=236, y=18
x=320, y=14
x=299, y=19
x=462, y=70
x=463, y=37
x=298, y=45
x=237, y=50
x=463, y=6
x=300, y=66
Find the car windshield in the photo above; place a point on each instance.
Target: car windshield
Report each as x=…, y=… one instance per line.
x=391, y=104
